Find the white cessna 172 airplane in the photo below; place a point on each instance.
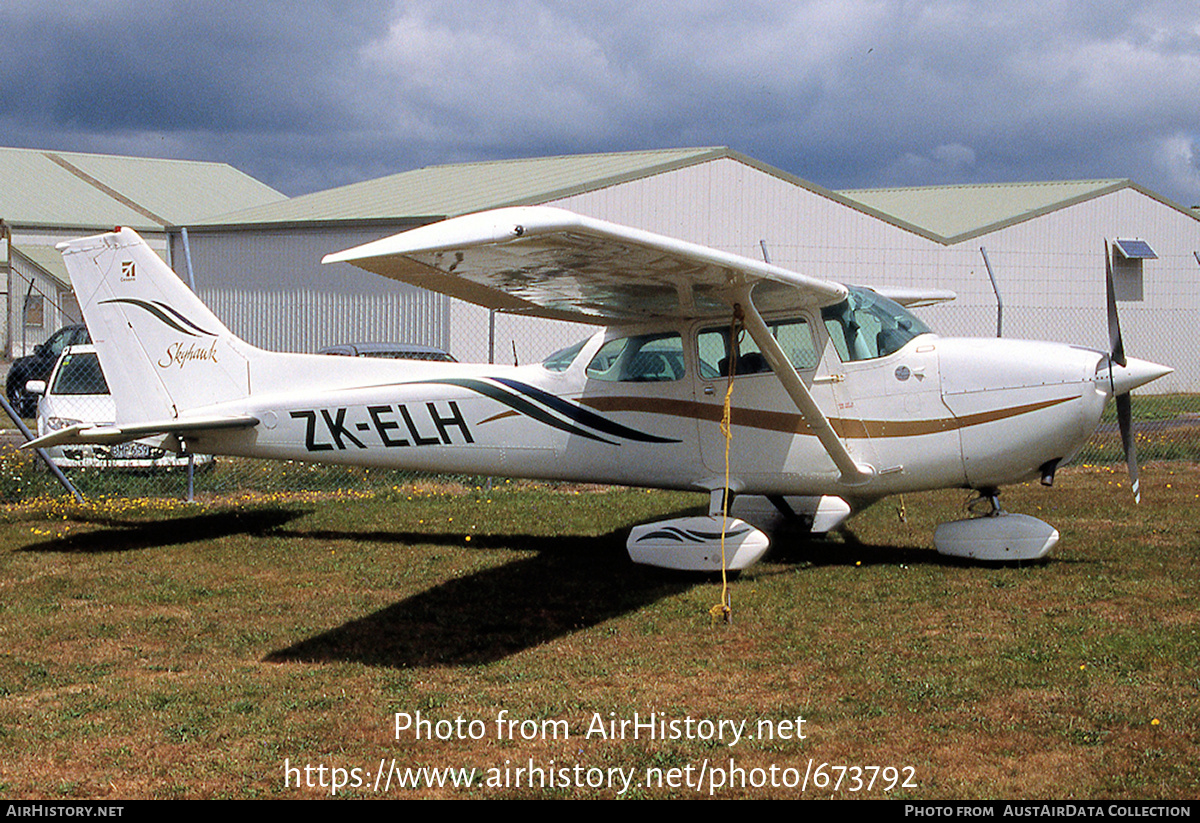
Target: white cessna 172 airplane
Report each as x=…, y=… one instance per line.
x=841, y=396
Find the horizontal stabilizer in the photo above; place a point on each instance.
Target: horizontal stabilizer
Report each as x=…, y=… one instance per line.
x=84, y=433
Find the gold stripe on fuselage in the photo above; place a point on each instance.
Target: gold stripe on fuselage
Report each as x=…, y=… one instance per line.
x=794, y=424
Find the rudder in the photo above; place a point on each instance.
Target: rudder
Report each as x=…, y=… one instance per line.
x=162, y=350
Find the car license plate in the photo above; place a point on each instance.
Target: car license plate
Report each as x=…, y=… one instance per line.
x=131, y=451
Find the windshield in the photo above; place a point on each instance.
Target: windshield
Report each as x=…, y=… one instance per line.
x=866, y=325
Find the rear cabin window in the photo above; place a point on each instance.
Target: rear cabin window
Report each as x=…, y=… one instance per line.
x=562, y=359
x=643, y=358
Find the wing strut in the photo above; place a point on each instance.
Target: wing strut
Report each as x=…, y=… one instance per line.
x=853, y=473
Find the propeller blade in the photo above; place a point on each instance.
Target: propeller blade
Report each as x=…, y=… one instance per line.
x=1116, y=346
x=1116, y=358
x=1125, y=420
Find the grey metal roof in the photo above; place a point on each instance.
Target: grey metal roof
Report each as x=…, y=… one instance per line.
x=952, y=214
x=945, y=214
x=48, y=189
x=48, y=259
x=446, y=191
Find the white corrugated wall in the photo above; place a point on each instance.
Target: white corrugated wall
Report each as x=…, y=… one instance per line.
x=270, y=288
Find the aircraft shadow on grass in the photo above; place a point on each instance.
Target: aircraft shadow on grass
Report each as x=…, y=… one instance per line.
x=794, y=548
x=570, y=583
x=121, y=535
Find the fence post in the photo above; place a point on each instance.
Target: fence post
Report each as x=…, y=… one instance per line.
x=42, y=453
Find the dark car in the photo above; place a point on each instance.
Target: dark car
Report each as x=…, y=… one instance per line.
x=390, y=351
x=37, y=366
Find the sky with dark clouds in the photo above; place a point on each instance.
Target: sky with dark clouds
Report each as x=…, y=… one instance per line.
x=305, y=96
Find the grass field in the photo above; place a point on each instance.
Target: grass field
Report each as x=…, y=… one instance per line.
x=239, y=647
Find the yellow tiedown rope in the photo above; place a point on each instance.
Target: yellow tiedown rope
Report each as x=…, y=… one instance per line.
x=723, y=609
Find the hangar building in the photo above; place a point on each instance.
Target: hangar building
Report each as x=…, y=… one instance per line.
x=259, y=267
x=255, y=254
x=47, y=197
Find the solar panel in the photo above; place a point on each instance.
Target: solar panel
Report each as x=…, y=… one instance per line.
x=1135, y=250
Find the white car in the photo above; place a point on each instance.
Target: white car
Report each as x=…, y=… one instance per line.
x=77, y=392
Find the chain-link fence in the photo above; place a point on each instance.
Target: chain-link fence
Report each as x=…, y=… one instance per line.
x=76, y=392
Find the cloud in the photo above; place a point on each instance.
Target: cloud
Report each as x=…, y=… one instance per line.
x=1177, y=156
x=492, y=76
x=872, y=92
x=202, y=79
x=950, y=163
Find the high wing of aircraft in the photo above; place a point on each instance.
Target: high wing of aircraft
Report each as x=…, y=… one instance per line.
x=838, y=395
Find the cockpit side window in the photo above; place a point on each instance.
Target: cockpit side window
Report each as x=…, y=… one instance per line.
x=643, y=358
x=866, y=325
x=794, y=336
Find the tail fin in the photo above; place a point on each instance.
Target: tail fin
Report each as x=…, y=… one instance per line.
x=161, y=349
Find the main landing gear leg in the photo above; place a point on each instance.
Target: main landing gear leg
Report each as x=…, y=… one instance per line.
x=987, y=504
